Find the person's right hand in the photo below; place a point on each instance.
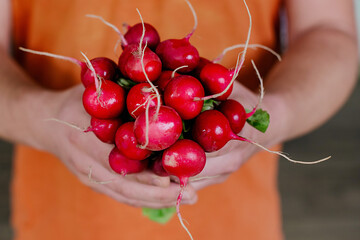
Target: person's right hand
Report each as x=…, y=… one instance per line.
x=81, y=152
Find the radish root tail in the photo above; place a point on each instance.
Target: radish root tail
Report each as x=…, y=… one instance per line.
x=283, y=154
x=65, y=123
x=143, y=66
x=238, y=65
x=123, y=40
x=176, y=69
x=146, y=127
x=97, y=182
x=97, y=80
x=178, y=212
x=70, y=59
x=254, y=46
x=195, y=20
x=262, y=91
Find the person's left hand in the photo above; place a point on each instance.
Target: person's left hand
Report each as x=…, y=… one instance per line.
x=220, y=164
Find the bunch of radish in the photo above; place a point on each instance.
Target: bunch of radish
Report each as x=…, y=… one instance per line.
x=162, y=105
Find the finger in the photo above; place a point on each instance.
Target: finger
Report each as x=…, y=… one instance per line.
x=142, y=192
x=141, y=203
x=132, y=202
x=204, y=182
x=150, y=178
x=90, y=145
x=102, y=185
x=225, y=162
x=130, y=189
x=219, y=165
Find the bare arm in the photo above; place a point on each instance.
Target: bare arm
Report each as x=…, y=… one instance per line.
x=314, y=79
x=5, y=20
x=319, y=69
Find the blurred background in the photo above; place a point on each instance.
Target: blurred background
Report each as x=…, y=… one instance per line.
x=318, y=201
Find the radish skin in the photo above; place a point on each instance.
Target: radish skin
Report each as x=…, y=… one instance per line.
x=180, y=93
x=104, y=129
x=138, y=97
x=123, y=165
x=164, y=78
x=134, y=33
x=161, y=131
x=109, y=103
x=126, y=142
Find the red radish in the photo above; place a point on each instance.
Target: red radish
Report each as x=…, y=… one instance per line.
x=107, y=103
x=105, y=68
x=104, y=129
x=126, y=142
x=157, y=167
x=158, y=131
x=133, y=35
x=184, y=159
x=196, y=71
x=130, y=59
x=235, y=113
x=139, y=96
x=178, y=52
x=180, y=93
x=212, y=131
x=216, y=78
x=123, y=165
x=175, y=53
x=130, y=64
x=164, y=78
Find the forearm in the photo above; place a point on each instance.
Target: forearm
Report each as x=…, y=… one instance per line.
x=314, y=79
x=22, y=103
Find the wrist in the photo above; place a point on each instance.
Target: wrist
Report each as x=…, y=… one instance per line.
x=28, y=110
x=277, y=130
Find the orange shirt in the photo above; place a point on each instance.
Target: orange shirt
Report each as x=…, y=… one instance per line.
x=48, y=202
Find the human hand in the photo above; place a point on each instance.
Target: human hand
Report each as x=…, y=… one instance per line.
x=220, y=164
x=82, y=152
